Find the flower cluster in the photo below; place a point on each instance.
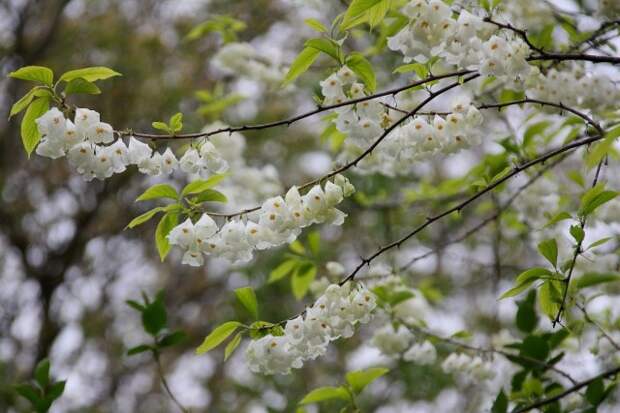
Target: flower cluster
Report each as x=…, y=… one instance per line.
x=244, y=60
x=417, y=139
x=466, y=41
x=278, y=221
x=421, y=353
x=333, y=315
x=573, y=87
x=468, y=367
x=203, y=161
x=91, y=148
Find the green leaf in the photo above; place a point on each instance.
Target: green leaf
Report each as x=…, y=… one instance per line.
x=80, y=85
x=577, y=232
x=418, y=68
x=549, y=250
x=28, y=392
x=501, y=403
x=166, y=224
x=282, y=270
x=217, y=336
x=594, y=278
x=526, y=317
x=159, y=191
x=302, y=62
x=316, y=25
x=90, y=74
x=359, y=379
x=142, y=348
x=329, y=47
x=42, y=373
x=176, y=122
x=160, y=126
x=302, y=278
x=602, y=149
x=201, y=185
x=154, y=316
x=550, y=297
x=29, y=131
x=25, y=100
x=326, y=393
x=561, y=216
x=535, y=347
x=524, y=280
x=356, y=8
x=599, y=242
x=141, y=219
x=55, y=390
x=314, y=242
x=135, y=305
x=232, y=346
x=362, y=67
x=595, y=393
x=210, y=195
x=597, y=201
x=172, y=339
x=247, y=297
x=35, y=74
x=297, y=247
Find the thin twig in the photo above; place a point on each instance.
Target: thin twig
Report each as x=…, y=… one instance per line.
x=164, y=382
x=597, y=325
x=568, y=391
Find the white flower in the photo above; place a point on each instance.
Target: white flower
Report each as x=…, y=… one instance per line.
x=84, y=119
x=332, y=86
x=183, y=234
x=424, y=353
x=392, y=342
x=138, y=152
x=213, y=160
x=100, y=132
x=51, y=123
x=50, y=148
x=191, y=162
x=346, y=75
x=168, y=162
x=119, y=154
x=81, y=156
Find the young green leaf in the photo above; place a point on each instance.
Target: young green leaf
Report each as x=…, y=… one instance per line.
x=362, y=67
x=524, y=280
x=34, y=74
x=356, y=8
x=161, y=126
x=247, y=297
x=159, y=191
x=172, y=339
x=358, y=380
x=594, y=278
x=302, y=62
x=550, y=297
x=90, y=74
x=232, y=346
x=326, y=46
x=25, y=100
x=217, y=336
x=80, y=85
x=316, y=25
x=302, y=278
x=29, y=131
x=142, y=218
x=549, y=250
x=42, y=373
x=176, y=122
x=500, y=405
x=142, y=348
x=166, y=224
x=282, y=270
x=326, y=393
x=210, y=195
x=201, y=185
x=154, y=316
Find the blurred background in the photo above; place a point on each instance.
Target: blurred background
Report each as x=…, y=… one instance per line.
x=67, y=265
